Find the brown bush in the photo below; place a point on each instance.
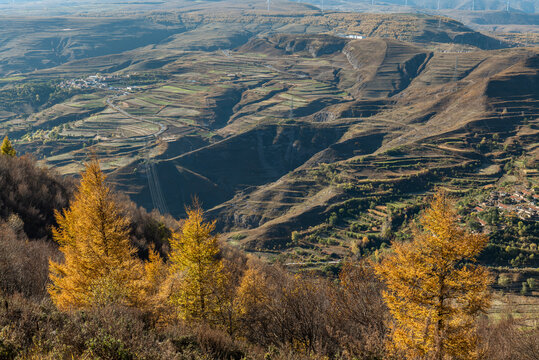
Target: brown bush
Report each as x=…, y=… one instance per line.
x=147, y=229
x=218, y=344
x=32, y=193
x=358, y=313
x=507, y=339
x=24, y=265
x=38, y=330
x=314, y=316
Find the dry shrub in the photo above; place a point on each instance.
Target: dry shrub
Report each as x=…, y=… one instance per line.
x=507, y=339
x=147, y=229
x=22, y=320
x=358, y=313
x=32, y=193
x=24, y=265
x=218, y=344
x=38, y=330
x=314, y=316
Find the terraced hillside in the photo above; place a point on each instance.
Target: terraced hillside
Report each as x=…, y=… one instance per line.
x=300, y=139
x=284, y=172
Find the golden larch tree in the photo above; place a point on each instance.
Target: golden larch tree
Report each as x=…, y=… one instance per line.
x=252, y=290
x=434, y=288
x=7, y=148
x=194, y=260
x=99, y=265
x=155, y=277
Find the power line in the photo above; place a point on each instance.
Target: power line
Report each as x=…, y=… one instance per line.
x=291, y=115
x=149, y=176
x=162, y=203
x=455, y=72
x=156, y=193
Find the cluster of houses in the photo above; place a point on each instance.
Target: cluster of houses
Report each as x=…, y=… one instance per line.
x=355, y=37
x=97, y=82
x=520, y=202
x=351, y=36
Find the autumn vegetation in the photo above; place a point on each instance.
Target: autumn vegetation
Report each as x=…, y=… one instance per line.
x=93, y=277
x=434, y=290
x=99, y=265
x=7, y=148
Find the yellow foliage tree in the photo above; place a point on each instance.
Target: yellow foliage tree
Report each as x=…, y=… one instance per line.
x=155, y=276
x=252, y=290
x=99, y=264
x=434, y=289
x=194, y=261
x=7, y=148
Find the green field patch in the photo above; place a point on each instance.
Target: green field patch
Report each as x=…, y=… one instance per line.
x=184, y=121
x=154, y=101
x=11, y=79
x=83, y=97
x=207, y=134
x=306, y=62
x=143, y=111
x=86, y=105
x=288, y=96
x=176, y=90
x=313, y=84
x=178, y=111
x=196, y=87
x=316, y=89
x=251, y=55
